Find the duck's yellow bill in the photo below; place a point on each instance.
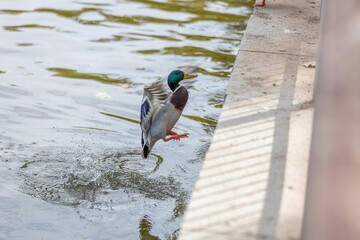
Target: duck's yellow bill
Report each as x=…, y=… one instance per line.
x=188, y=75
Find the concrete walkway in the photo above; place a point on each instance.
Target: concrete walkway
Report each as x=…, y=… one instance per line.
x=252, y=183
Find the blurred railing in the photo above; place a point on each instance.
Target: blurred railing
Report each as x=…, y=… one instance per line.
x=332, y=210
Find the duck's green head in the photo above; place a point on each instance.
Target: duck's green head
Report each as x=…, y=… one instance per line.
x=177, y=76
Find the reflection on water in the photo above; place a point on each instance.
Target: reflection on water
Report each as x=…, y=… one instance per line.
x=145, y=227
x=103, y=78
x=71, y=80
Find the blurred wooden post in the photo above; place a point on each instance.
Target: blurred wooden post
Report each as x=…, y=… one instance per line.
x=332, y=210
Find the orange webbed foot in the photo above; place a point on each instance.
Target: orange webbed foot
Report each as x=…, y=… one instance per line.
x=172, y=133
x=263, y=4
x=176, y=136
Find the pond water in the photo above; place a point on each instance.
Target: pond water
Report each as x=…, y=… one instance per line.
x=71, y=81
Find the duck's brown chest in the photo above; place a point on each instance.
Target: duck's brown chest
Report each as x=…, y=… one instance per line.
x=179, y=98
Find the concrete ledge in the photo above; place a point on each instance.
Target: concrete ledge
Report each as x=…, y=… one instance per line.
x=252, y=183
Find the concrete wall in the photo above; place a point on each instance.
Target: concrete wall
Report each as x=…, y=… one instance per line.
x=252, y=183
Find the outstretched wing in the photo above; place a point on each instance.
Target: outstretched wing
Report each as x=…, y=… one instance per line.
x=154, y=98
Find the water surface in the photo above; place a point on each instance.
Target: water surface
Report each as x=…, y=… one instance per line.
x=71, y=80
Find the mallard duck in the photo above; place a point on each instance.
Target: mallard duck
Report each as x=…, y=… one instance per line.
x=161, y=109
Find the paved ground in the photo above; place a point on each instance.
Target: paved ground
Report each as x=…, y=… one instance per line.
x=252, y=183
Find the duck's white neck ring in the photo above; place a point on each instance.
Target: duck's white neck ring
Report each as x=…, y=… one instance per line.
x=177, y=88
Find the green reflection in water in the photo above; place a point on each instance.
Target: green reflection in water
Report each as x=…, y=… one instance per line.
x=217, y=101
x=200, y=52
x=18, y=28
x=191, y=51
x=166, y=38
x=151, y=51
x=218, y=73
x=93, y=128
x=87, y=22
x=197, y=8
x=154, y=188
x=103, y=78
x=26, y=164
x=75, y=15
x=207, y=121
x=205, y=38
x=122, y=19
x=24, y=44
x=198, y=37
x=93, y=4
x=13, y=12
x=115, y=38
x=66, y=13
x=145, y=226
x=120, y=117
x=160, y=159
x=180, y=206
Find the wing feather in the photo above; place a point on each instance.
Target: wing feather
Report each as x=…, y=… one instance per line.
x=155, y=96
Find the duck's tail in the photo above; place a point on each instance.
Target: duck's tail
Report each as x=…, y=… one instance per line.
x=146, y=149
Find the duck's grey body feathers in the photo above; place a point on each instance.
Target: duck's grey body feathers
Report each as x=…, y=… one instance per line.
x=160, y=110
